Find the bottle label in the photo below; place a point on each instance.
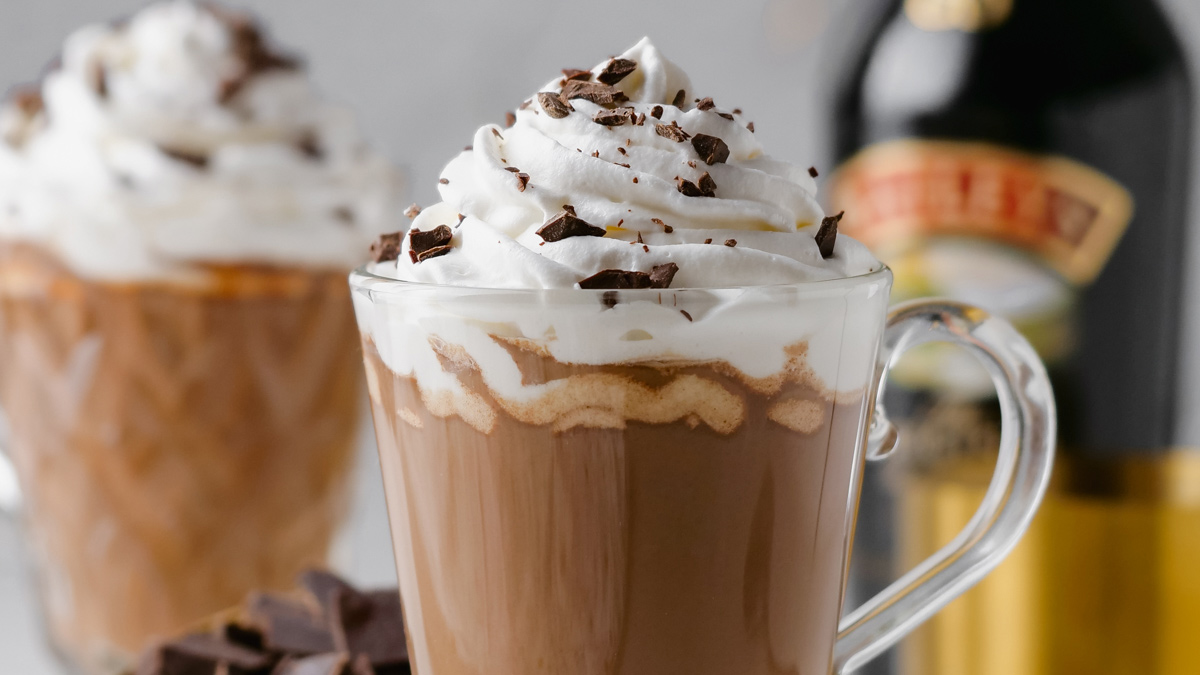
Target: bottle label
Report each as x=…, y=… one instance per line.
x=1012, y=232
x=899, y=193
x=965, y=15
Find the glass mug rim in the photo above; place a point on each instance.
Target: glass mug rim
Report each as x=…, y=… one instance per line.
x=363, y=278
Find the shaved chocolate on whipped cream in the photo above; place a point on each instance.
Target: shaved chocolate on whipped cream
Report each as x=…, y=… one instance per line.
x=580, y=143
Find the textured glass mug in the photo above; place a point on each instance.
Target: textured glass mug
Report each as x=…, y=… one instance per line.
x=665, y=515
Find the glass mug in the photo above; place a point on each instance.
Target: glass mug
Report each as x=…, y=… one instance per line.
x=664, y=481
x=177, y=445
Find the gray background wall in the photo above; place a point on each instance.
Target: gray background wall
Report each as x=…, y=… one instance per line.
x=423, y=75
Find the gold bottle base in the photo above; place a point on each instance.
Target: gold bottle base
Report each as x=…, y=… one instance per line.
x=1106, y=582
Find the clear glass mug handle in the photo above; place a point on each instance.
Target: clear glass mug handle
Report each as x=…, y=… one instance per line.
x=1022, y=473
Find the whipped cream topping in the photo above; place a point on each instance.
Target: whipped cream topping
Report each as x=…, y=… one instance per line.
x=177, y=138
x=627, y=179
x=738, y=304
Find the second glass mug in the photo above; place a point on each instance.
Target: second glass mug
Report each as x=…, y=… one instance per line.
x=650, y=482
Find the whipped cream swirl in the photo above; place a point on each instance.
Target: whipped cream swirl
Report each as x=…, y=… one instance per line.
x=756, y=227
x=179, y=138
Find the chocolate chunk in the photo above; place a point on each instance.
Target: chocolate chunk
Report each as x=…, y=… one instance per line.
x=710, y=148
x=731, y=242
x=242, y=636
x=680, y=98
x=726, y=116
x=812, y=171
x=614, y=118
x=553, y=105
x=640, y=120
x=566, y=224
x=444, y=181
x=750, y=126
x=705, y=103
x=705, y=188
x=577, y=74
x=671, y=131
x=512, y=169
x=322, y=585
x=420, y=243
x=288, y=625
x=333, y=663
x=412, y=211
x=29, y=100
x=666, y=228
x=569, y=209
x=685, y=314
x=616, y=70
x=99, y=76
x=661, y=275
x=497, y=134
x=656, y=112
x=386, y=247
x=510, y=118
x=196, y=159
x=708, y=241
x=596, y=92
x=310, y=147
x=827, y=235
x=616, y=279
x=372, y=624
x=522, y=181
x=201, y=654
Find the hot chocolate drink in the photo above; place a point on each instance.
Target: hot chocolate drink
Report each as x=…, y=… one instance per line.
x=178, y=209
x=619, y=379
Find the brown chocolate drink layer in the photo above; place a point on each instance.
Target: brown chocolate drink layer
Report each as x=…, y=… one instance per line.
x=590, y=545
x=177, y=445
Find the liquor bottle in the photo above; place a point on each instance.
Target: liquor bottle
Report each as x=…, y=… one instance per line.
x=1031, y=157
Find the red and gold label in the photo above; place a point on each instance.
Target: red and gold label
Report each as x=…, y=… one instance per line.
x=899, y=194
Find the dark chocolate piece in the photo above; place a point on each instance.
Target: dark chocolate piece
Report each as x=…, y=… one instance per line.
x=250, y=638
x=685, y=314
x=672, y=131
x=196, y=159
x=333, y=663
x=566, y=224
x=386, y=248
x=666, y=228
x=99, y=77
x=596, y=92
x=421, y=243
x=614, y=118
x=577, y=74
x=510, y=118
x=522, y=181
x=710, y=148
x=812, y=171
x=827, y=235
x=656, y=112
x=705, y=103
x=289, y=626
x=616, y=279
x=731, y=242
x=553, y=105
x=322, y=585
x=372, y=624
x=310, y=147
x=750, y=126
x=444, y=181
x=661, y=275
x=725, y=116
x=680, y=98
x=616, y=70
x=201, y=654
x=706, y=187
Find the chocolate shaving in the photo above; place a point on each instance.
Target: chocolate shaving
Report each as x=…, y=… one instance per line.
x=708, y=241
x=29, y=101
x=412, y=211
x=622, y=151
x=577, y=74
x=288, y=625
x=196, y=159
x=666, y=228
x=522, y=181
x=656, y=112
x=705, y=103
x=250, y=638
x=617, y=280
x=725, y=116
x=310, y=147
x=750, y=126
x=706, y=187
x=661, y=275
x=614, y=118
x=386, y=247
x=510, y=118
x=372, y=624
x=497, y=134
x=640, y=120
x=422, y=245
x=685, y=314
x=596, y=92
x=616, y=70
x=812, y=171
x=553, y=105
x=710, y=148
x=731, y=242
x=680, y=98
x=671, y=131
x=444, y=181
x=827, y=235
x=566, y=224
x=635, y=179
x=99, y=77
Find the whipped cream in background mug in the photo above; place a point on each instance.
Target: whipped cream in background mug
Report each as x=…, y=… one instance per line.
x=177, y=137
